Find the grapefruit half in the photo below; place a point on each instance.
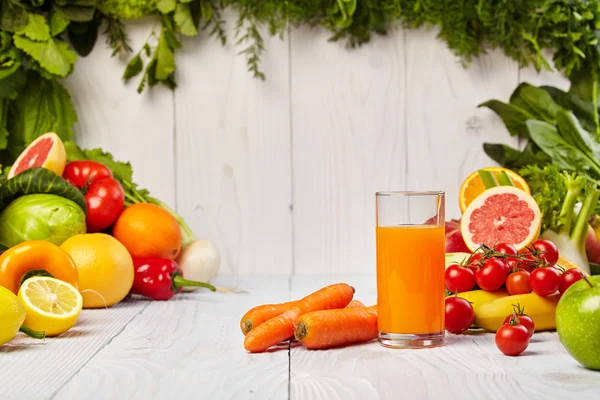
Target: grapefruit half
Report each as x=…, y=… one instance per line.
x=501, y=214
x=47, y=151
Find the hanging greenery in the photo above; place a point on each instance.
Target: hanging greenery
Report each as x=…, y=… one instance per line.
x=40, y=41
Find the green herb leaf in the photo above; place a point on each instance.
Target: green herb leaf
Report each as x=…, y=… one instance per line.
x=54, y=55
x=11, y=82
x=535, y=101
x=184, y=20
x=78, y=14
x=12, y=17
x=42, y=106
x=513, y=116
x=4, y=107
x=36, y=29
x=58, y=23
x=134, y=67
x=165, y=61
x=39, y=180
x=166, y=6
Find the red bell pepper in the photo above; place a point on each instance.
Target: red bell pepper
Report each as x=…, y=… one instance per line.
x=160, y=278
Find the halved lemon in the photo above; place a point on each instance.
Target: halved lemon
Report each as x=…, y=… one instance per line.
x=472, y=186
x=52, y=305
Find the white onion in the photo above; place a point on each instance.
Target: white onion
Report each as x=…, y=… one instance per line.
x=199, y=261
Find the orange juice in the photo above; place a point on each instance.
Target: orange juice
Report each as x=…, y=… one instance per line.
x=410, y=279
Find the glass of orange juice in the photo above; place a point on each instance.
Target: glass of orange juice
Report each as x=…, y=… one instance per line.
x=410, y=269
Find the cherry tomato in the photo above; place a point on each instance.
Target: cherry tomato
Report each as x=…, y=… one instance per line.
x=544, y=281
x=474, y=262
x=548, y=251
x=104, y=196
x=511, y=339
x=506, y=248
x=518, y=283
x=459, y=279
x=568, y=278
x=524, y=320
x=492, y=275
x=459, y=314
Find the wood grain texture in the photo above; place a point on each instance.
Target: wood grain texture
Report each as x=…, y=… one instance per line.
x=445, y=129
x=112, y=115
x=467, y=367
x=188, y=348
x=34, y=369
x=233, y=153
x=348, y=114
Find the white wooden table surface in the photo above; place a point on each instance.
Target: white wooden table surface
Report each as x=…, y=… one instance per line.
x=191, y=348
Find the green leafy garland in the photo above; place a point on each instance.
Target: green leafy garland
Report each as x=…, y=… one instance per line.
x=40, y=40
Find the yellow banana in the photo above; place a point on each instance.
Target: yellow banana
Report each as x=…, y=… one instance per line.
x=479, y=297
x=490, y=315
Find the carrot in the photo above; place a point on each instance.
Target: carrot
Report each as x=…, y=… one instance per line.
x=281, y=327
x=259, y=314
x=329, y=328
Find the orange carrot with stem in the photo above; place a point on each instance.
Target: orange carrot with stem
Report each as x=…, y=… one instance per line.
x=259, y=314
x=329, y=328
x=281, y=327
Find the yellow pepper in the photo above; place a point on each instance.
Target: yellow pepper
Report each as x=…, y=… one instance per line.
x=35, y=255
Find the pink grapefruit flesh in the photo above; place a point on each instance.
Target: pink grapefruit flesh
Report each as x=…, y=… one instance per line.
x=503, y=214
x=46, y=151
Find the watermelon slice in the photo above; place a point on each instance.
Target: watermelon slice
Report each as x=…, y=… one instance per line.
x=503, y=214
x=47, y=151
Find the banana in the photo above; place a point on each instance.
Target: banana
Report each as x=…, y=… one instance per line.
x=490, y=315
x=479, y=297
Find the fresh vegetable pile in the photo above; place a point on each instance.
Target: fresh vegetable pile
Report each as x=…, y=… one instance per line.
x=77, y=233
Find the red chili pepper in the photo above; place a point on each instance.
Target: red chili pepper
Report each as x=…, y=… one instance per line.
x=160, y=278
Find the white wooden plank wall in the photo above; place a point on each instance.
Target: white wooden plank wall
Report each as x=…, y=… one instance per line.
x=281, y=174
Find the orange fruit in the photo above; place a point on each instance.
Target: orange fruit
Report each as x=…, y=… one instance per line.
x=47, y=151
x=147, y=230
x=105, y=268
x=472, y=186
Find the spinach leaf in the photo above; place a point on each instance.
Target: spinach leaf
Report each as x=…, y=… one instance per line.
x=513, y=116
x=514, y=159
x=563, y=155
x=583, y=110
x=39, y=180
x=570, y=129
x=535, y=101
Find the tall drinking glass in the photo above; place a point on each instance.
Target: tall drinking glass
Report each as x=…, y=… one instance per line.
x=410, y=268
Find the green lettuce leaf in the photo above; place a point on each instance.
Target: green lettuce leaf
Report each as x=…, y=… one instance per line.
x=53, y=55
x=36, y=29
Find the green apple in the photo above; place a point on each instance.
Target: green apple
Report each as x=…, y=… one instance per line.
x=578, y=321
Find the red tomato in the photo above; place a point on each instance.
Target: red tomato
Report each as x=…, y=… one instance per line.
x=512, y=340
x=544, y=281
x=474, y=263
x=459, y=279
x=518, y=283
x=104, y=196
x=524, y=320
x=459, y=314
x=506, y=248
x=568, y=278
x=492, y=275
x=548, y=251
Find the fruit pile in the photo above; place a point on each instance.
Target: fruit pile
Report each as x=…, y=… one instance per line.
x=71, y=241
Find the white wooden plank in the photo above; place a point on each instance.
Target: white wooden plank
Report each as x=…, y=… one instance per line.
x=233, y=153
x=188, y=348
x=112, y=115
x=445, y=128
x=467, y=367
x=34, y=369
x=348, y=120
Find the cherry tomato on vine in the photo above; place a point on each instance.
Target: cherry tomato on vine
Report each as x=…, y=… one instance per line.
x=518, y=283
x=512, y=339
x=523, y=319
x=548, y=251
x=104, y=196
x=568, y=278
x=459, y=314
x=506, y=248
x=474, y=262
x=544, y=281
x=492, y=275
x=459, y=279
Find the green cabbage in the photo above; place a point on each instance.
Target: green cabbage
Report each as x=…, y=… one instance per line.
x=40, y=217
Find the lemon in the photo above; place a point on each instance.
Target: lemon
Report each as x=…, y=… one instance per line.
x=52, y=305
x=12, y=315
